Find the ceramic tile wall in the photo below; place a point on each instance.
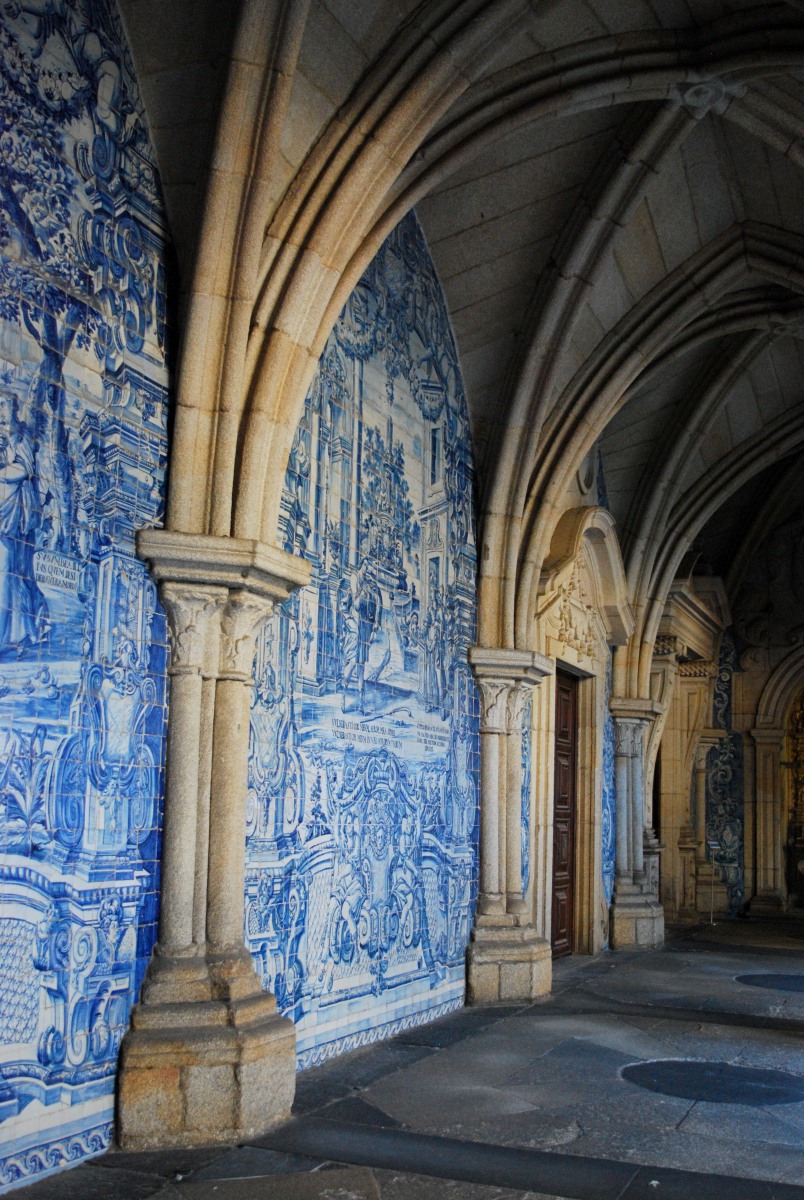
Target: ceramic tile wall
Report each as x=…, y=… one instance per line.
x=527, y=776
x=725, y=816
x=363, y=764
x=82, y=641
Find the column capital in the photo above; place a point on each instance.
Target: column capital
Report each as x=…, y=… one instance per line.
x=241, y=619
x=768, y=736
x=517, y=696
x=628, y=736
x=191, y=612
x=707, y=740
x=505, y=677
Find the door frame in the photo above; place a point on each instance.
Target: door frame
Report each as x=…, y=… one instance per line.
x=571, y=682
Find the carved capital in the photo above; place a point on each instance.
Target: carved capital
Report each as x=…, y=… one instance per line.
x=241, y=619
x=706, y=740
x=505, y=679
x=516, y=705
x=191, y=614
x=493, y=705
x=628, y=737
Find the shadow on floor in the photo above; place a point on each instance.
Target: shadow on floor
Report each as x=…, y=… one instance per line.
x=661, y=1074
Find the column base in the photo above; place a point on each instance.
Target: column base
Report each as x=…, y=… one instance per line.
x=711, y=894
x=506, y=961
x=637, y=919
x=208, y=1059
x=766, y=904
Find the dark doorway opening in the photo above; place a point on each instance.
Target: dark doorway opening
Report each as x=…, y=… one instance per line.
x=564, y=814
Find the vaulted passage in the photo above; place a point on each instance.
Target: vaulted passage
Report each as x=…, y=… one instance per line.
x=401, y=567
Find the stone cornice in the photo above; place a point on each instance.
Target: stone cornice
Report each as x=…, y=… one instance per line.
x=523, y=667
x=243, y=564
x=628, y=708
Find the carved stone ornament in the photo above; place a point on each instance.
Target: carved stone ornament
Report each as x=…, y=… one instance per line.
x=700, y=669
x=516, y=704
x=574, y=616
x=666, y=646
x=628, y=737
x=493, y=705
x=702, y=94
x=190, y=613
x=241, y=620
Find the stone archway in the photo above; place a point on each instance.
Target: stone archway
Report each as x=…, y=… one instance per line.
x=773, y=795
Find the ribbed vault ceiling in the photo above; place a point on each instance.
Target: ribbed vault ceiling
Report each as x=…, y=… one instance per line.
x=619, y=233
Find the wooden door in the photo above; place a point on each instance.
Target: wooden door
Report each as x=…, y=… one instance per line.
x=564, y=806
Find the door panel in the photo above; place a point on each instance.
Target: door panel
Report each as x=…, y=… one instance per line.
x=564, y=805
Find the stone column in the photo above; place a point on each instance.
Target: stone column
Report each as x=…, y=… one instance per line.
x=638, y=803
x=699, y=770
x=637, y=917
x=623, y=844
x=515, y=901
x=493, y=728
x=208, y=1058
x=241, y=619
x=190, y=612
x=506, y=960
x=770, y=825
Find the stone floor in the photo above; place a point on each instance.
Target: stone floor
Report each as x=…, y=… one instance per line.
x=529, y=1103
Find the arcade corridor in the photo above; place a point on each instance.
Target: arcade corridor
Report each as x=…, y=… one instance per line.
x=532, y=1102
x=401, y=587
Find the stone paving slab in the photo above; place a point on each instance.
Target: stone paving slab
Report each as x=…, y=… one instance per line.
x=349, y=1183
x=522, y=1103
x=91, y=1182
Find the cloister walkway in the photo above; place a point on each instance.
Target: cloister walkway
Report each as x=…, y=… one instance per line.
x=674, y=1073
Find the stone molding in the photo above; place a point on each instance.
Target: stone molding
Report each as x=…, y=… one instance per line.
x=241, y=564
x=698, y=669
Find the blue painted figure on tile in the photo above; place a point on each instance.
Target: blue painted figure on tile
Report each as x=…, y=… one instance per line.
x=725, y=818
x=362, y=834
x=23, y=611
x=83, y=395
x=527, y=755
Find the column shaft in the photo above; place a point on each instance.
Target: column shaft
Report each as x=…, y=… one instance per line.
x=490, y=899
x=202, y=830
x=638, y=809
x=179, y=824
x=622, y=855
x=227, y=814
x=700, y=805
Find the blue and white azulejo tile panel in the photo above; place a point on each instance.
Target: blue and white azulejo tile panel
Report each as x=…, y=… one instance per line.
x=363, y=794
x=725, y=784
x=527, y=774
x=83, y=391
